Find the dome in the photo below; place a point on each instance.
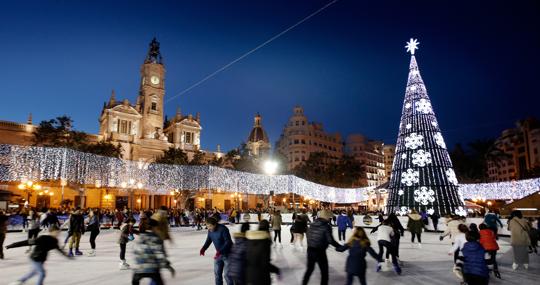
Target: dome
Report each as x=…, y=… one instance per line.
x=258, y=134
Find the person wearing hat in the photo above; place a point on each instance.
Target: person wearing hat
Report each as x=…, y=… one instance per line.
x=42, y=245
x=319, y=236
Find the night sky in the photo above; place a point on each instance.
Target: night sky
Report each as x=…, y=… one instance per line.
x=347, y=66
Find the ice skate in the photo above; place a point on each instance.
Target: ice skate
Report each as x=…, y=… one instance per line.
x=77, y=252
x=16, y=283
x=92, y=253
x=526, y=266
x=123, y=265
x=515, y=266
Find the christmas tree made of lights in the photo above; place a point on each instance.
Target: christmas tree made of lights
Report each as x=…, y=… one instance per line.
x=422, y=174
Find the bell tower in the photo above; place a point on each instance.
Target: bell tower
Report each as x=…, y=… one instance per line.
x=151, y=93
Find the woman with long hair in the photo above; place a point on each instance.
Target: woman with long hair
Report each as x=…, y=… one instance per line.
x=358, y=246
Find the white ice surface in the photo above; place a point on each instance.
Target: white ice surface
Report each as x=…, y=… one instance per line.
x=429, y=265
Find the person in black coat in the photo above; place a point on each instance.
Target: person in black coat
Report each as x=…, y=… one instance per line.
x=258, y=266
x=319, y=236
x=359, y=246
x=76, y=230
x=299, y=228
x=42, y=245
x=237, y=256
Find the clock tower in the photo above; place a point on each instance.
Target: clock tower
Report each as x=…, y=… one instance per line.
x=151, y=93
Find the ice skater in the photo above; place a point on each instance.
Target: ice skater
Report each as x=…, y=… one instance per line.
x=126, y=235
x=93, y=227
x=359, y=246
x=343, y=222
x=42, y=245
x=219, y=235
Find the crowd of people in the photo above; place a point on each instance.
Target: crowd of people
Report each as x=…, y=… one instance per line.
x=246, y=259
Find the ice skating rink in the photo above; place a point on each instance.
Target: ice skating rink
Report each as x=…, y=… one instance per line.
x=429, y=265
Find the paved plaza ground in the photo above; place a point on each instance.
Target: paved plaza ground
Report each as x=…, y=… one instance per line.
x=429, y=265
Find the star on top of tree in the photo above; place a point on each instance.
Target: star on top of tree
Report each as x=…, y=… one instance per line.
x=412, y=45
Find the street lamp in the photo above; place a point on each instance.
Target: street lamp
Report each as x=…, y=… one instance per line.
x=270, y=167
x=28, y=186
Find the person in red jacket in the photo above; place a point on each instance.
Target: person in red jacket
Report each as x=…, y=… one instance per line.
x=488, y=240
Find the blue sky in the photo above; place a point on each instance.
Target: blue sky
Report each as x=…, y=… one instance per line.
x=346, y=66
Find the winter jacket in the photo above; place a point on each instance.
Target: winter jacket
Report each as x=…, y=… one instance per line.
x=299, y=226
x=93, y=224
x=319, y=235
x=237, y=258
x=415, y=224
x=221, y=239
x=3, y=223
x=452, y=229
x=385, y=232
x=258, y=266
x=343, y=222
x=163, y=224
x=150, y=253
x=474, y=261
x=459, y=242
x=276, y=222
x=76, y=224
x=519, y=229
x=491, y=220
x=33, y=223
x=125, y=231
x=488, y=240
x=356, y=261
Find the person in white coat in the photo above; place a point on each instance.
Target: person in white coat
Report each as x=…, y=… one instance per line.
x=384, y=239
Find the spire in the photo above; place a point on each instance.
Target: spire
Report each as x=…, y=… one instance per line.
x=422, y=174
x=29, y=121
x=154, y=55
x=257, y=120
x=178, y=114
x=112, y=100
x=198, y=117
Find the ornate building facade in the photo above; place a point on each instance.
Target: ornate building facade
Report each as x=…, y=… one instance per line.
x=258, y=143
x=370, y=154
x=300, y=138
x=140, y=128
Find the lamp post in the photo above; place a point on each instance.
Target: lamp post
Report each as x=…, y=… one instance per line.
x=130, y=187
x=270, y=167
x=28, y=186
x=63, y=183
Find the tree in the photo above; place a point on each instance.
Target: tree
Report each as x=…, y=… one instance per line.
x=422, y=174
x=322, y=169
x=59, y=132
x=173, y=156
x=198, y=159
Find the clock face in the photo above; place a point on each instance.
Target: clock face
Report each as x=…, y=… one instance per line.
x=154, y=79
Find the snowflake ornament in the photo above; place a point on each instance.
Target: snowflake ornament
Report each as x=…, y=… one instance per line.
x=451, y=176
x=413, y=88
x=421, y=158
x=414, y=141
x=408, y=106
x=430, y=211
x=404, y=156
x=403, y=211
x=400, y=192
x=410, y=177
x=461, y=212
x=412, y=45
x=408, y=126
x=424, y=195
x=433, y=123
x=423, y=106
x=439, y=140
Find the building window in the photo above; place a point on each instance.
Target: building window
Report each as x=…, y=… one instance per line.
x=297, y=123
x=124, y=127
x=303, y=123
x=189, y=137
x=153, y=106
x=296, y=142
x=303, y=142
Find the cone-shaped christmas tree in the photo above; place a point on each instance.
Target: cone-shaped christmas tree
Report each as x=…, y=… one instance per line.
x=422, y=174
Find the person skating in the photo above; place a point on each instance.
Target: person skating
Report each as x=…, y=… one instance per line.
x=493, y=222
x=490, y=245
x=237, y=256
x=76, y=230
x=33, y=227
x=475, y=270
x=299, y=228
x=163, y=223
x=319, y=236
x=94, y=228
x=126, y=235
x=415, y=225
x=457, y=246
x=276, y=226
x=399, y=232
x=3, y=231
x=384, y=239
x=150, y=256
x=343, y=222
x=520, y=240
x=42, y=245
x=258, y=265
x=359, y=246
x=219, y=235
x=435, y=219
